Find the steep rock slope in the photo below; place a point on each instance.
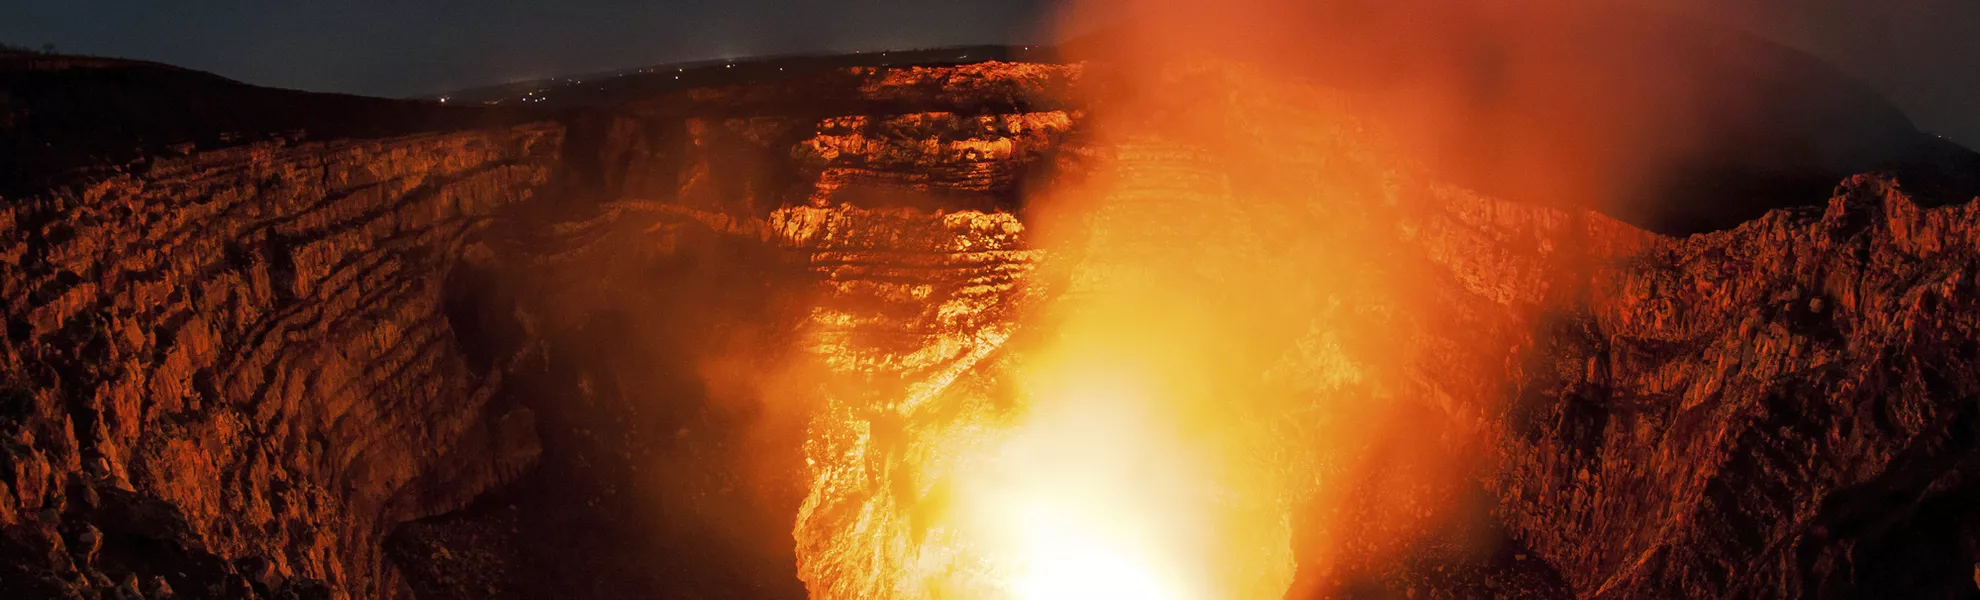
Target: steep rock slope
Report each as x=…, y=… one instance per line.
x=235, y=372
x=1786, y=409
x=728, y=239
x=1756, y=412
x=228, y=375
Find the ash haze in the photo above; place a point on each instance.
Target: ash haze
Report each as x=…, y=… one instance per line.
x=1923, y=54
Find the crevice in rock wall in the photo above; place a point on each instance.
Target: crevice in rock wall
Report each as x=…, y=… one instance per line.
x=1610, y=346
x=651, y=478
x=245, y=351
x=1909, y=537
x=563, y=361
x=1781, y=400
x=659, y=303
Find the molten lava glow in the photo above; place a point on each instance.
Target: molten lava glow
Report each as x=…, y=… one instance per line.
x=1149, y=434
x=1065, y=554
x=1178, y=394
x=1067, y=568
x=1081, y=501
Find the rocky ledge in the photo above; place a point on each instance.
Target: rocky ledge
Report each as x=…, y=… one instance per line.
x=581, y=357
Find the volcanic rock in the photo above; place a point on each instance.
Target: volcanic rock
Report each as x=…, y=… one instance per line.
x=618, y=350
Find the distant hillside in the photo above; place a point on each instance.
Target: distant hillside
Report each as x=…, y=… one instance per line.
x=613, y=87
x=61, y=112
x=1668, y=124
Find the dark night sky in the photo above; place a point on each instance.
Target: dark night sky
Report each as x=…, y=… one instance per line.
x=1924, y=54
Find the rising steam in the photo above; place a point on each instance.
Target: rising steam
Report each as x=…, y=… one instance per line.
x=1218, y=388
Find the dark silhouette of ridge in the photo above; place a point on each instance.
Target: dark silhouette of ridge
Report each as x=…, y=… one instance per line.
x=60, y=113
x=1670, y=124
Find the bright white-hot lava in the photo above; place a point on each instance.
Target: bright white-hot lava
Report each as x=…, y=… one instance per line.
x=1083, y=500
x=1180, y=411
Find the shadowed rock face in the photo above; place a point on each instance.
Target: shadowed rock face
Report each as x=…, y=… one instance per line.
x=1777, y=410
x=62, y=114
x=235, y=371
x=581, y=358
x=1785, y=409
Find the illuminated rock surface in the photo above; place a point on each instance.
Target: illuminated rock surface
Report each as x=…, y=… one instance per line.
x=713, y=343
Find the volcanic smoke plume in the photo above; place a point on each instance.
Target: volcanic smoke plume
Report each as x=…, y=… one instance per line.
x=1247, y=300
x=1202, y=391
x=1214, y=384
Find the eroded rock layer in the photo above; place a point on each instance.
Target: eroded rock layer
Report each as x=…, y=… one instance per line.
x=228, y=375
x=235, y=373
x=1755, y=412
x=1784, y=409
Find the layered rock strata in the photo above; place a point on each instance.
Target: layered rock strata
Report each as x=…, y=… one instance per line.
x=234, y=373
x=229, y=375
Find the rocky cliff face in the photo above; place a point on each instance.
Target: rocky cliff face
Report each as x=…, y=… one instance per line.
x=1763, y=411
x=706, y=318
x=1784, y=409
x=229, y=375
